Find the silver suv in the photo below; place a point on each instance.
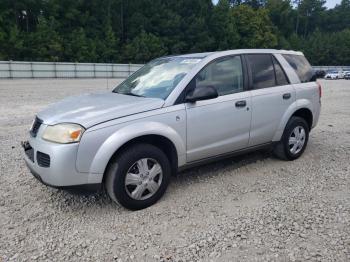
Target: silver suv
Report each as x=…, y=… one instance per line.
x=173, y=113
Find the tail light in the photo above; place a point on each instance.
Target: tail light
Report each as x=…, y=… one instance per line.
x=319, y=90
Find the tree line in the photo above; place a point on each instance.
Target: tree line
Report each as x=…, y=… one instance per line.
x=135, y=31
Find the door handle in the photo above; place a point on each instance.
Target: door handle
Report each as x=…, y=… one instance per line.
x=242, y=103
x=286, y=96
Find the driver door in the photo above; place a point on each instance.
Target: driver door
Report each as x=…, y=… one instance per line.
x=220, y=125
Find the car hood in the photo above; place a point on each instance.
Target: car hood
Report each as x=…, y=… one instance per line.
x=91, y=109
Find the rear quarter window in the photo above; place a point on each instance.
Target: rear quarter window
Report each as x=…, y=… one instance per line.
x=281, y=78
x=301, y=66
x=262, y=70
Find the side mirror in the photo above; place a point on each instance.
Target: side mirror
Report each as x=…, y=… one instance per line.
x=317, y=74
x=320, y=74
x=202, y=93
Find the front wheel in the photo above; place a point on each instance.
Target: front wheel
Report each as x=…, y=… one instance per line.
x=294, y=139
x=138, y=176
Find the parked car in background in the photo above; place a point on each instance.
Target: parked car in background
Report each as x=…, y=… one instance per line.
x=347, y=76
x=332, y=75
x=176, y=112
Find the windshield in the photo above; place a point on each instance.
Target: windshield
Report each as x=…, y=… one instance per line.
x=157, y=78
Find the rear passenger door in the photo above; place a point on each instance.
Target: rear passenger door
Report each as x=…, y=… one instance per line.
x=271, y=96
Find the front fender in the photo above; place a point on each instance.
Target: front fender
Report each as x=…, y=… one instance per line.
x=129, y=132
x=298, y=104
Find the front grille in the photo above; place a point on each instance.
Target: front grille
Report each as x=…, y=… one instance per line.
x=35, y=127
x=43, y=159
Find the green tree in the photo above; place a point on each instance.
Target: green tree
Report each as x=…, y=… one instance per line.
x=312, y=14
x=13, y=44
x=281, y=15
x=44, y=44
x=143, y=48
x=193, y=33
x=341, y=41
x=109, y=45
x=223, y=27
x=338, y=18
x=79, y=48
x=254, y=27
x=139, y=30
x=320, y=50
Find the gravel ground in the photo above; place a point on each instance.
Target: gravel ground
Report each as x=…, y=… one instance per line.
x=248, y=208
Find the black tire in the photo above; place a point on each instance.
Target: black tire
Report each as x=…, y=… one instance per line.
x=120, y=165
x=282, y=149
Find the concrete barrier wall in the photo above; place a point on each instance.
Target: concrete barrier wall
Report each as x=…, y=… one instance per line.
x=336, y=68
x=16, y=69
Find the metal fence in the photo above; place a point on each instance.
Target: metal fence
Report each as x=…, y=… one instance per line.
x=335, y=68
x=15, y=69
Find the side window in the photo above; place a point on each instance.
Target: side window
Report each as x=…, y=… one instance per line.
x=301, y=67
x=261, y=67
x=226, y=75
x=281, y=78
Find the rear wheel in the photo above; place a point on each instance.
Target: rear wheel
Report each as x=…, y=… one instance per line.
x=294, y=139
x=138, y=177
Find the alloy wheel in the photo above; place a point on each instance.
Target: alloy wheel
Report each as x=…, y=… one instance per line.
x=143, y=179
x=297, y=139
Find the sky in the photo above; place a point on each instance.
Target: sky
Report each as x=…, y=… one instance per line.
x=329, y=3
x=332, y=3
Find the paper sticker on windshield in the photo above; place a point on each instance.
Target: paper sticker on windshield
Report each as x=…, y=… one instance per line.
x=190, y=61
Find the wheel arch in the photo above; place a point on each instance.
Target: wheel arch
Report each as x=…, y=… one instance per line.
x=306, y=114
x=160, y=141
x=155, y=133
x=301, y=108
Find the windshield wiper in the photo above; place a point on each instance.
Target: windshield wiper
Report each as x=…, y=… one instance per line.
x=132, y=94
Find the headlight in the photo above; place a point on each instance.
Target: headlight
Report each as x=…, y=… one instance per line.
x=63, y=133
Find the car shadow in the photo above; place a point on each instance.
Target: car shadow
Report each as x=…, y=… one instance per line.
x=72, y=199
x=232, y=163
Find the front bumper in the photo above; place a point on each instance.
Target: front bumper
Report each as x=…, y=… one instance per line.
x=59, y=169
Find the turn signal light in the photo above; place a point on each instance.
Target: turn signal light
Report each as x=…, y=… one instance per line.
x=75, y=134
